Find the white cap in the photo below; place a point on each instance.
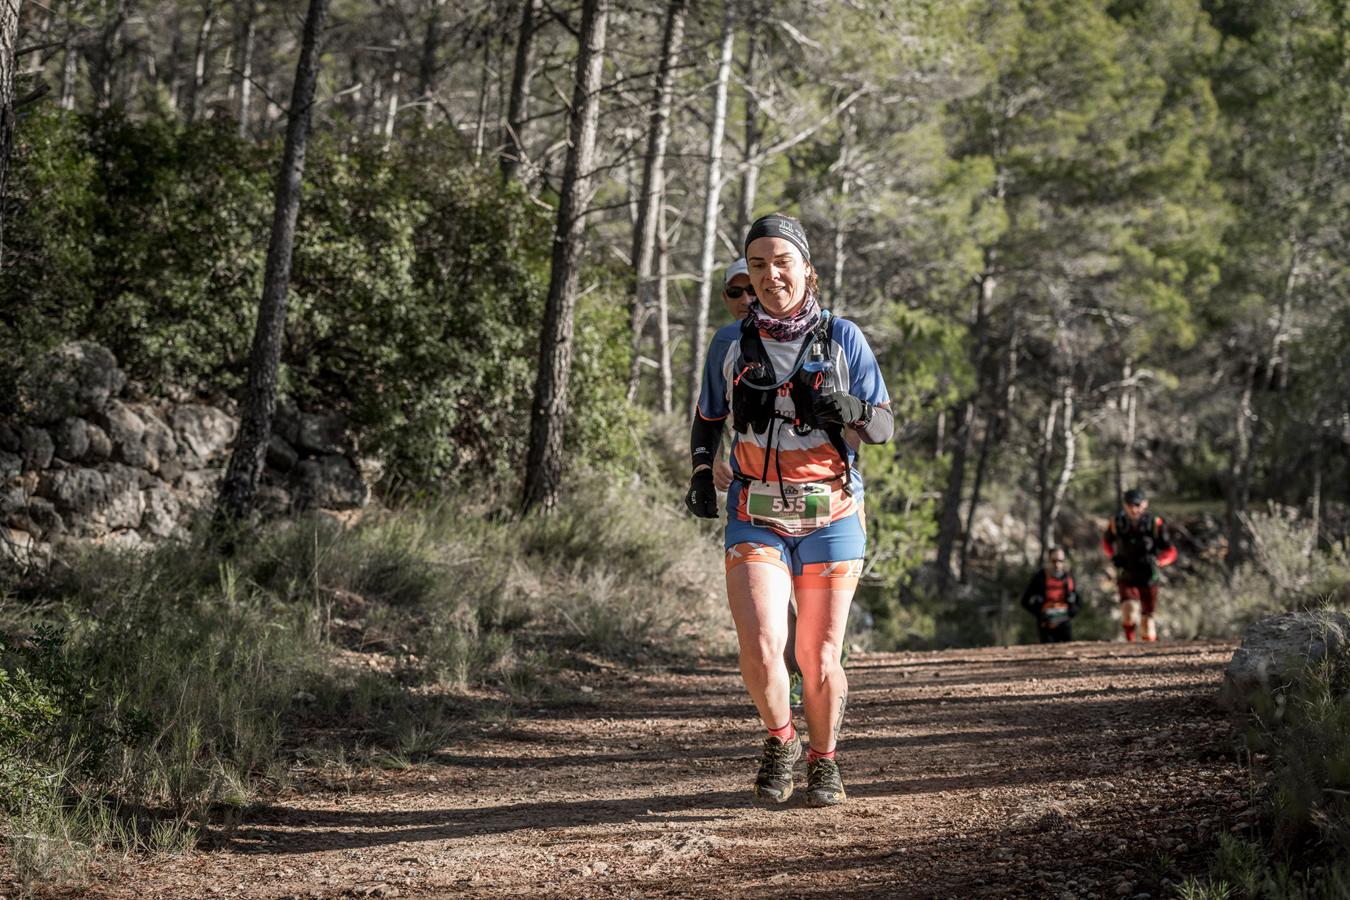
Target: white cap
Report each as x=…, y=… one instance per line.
x=739, y=267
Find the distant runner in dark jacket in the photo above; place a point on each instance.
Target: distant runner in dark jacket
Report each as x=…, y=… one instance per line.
x=1052, y=598
x=1138, y=545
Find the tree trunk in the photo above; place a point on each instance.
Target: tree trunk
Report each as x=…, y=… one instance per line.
x=9, y=37
x=513, y=142
x=426, y=66
x=949, y=520
x=649, y=196
x=249, y=31
x=69, y=65
x=1239, y=469
x=1043, y=458
x=981, y=466
x=391, y=112
x=255, y=427
x=1067, y=467
x=663, y=306
x=543, y=470
x=200, y=59
x=104, y=56
x=745, y=212
x=712, y=206
x=480, y=129
x=836, y=299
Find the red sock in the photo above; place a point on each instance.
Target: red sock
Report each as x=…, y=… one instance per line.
x=784, y=734
x=1129, y=632
x=1150, y=637
x=812, y=754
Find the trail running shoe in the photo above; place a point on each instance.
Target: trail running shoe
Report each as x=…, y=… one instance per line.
x=824, y=786
x=773, y=784
x=795, y=690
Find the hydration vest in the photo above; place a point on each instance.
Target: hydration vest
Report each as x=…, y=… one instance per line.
x=756, y=388
x=1136, y=542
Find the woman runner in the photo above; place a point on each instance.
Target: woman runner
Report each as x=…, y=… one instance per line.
x=802, y=389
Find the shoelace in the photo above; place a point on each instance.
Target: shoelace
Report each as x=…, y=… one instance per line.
x=775, y=757
x=823, y=775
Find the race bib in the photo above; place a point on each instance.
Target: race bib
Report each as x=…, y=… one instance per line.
x=789, y=508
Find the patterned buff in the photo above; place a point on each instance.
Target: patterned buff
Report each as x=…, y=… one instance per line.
x=792, y=327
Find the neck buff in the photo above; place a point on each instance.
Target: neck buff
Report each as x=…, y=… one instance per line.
x=791, y=327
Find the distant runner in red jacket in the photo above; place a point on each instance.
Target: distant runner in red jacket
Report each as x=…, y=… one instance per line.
x=1138, y=545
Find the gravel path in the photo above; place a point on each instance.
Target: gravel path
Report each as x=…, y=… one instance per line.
x=1071, y=771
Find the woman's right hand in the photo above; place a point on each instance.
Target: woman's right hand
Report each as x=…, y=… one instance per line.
x=702, y=496
x=722, y=475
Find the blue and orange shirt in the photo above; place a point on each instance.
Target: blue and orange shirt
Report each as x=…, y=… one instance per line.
x=800, y=458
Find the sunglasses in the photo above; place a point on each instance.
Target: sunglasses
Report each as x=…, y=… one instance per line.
x=735, y=292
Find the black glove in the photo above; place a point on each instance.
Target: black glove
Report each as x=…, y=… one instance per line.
x=702, y=496
x=1118, y=561
x=841, y=408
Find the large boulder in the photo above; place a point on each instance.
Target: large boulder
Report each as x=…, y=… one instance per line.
x=161, y=511
x=323, y=435
x=91, y=500
x=11, y=464
x=71, y=437
x=38, y=448
x=76, y=492
x=329, y=482
x=75, y=379
x=100, y=445
x=204, y=433
x=126, y=430
x=157, y=439
x=1276, y=649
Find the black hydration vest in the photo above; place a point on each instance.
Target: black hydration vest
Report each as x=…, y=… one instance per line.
x=755, y=390
x=1136, y=542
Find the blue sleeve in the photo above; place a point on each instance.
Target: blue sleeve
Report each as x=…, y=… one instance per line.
x=712, y=397
x=865, y=381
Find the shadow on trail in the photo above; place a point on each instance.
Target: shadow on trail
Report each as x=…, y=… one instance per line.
x=269, y=828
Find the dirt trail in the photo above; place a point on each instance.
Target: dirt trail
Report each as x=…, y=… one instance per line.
x=1072, y=771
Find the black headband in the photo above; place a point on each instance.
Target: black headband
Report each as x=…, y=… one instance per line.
x=779, y=227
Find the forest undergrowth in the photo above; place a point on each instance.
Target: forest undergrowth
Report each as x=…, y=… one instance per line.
x=144, y=698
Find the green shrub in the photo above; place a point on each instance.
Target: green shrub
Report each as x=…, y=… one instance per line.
x=416, y=293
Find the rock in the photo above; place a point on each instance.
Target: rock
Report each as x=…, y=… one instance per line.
x=272, y=500
x=125, y=504
x=323, y=435
x=200, y=486
x=170, y=469
x=43, y=514
x=1276, y=649
x=125, y=430
x=100, y=445
x=71, y=438
x=38, y=448
x=281, y=455
x=330, y=482
x=91, y=500
x=11, y=464
x=160, y=518
x=286, y=422
x=75, y=379
x=75, y=492
x=12, y=498
x=10, y=442
x=157, y=439
x=16, y=544
x=204, y=433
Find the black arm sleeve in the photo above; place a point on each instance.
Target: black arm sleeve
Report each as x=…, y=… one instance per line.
x=1035, y=587
x=879, y=427
x=705, y=440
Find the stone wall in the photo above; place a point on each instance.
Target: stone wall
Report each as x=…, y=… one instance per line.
x=91, y=459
